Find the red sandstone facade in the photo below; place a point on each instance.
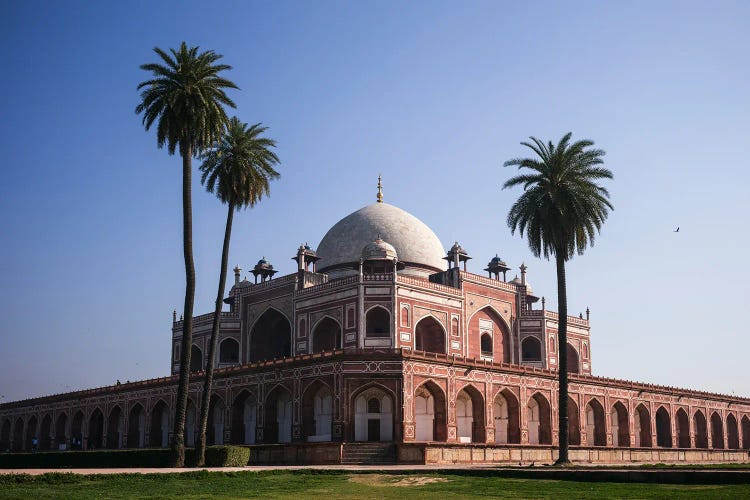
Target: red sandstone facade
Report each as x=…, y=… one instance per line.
x=447, y=365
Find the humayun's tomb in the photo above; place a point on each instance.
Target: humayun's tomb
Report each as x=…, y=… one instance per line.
x=383, y=347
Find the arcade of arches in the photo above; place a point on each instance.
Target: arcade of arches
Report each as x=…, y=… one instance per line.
x=500, y=419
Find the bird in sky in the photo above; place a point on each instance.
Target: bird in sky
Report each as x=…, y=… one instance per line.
x=677, y=230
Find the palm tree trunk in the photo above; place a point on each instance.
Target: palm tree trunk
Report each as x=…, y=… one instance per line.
x=200, y=451
x=562, y=360
x=178, y=440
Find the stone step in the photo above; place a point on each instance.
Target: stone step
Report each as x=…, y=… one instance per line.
x=368, y=453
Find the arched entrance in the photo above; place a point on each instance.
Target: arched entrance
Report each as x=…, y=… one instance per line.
x=136, y=427
x=278, y=428
x=683, y=429
x=717, y=432
x=45, y=433
x=574, y=423
x=5, y=436
x=76, y=431
x=642, y=427
x=317, y=412
x=429, y=336
x=270, y=337
x=196, y=359
x=326, y=336
x=701, y=430
x=663, y=428
x=470, y=415
x=229, y=351
x=505, y=411
x=378, y=322
x=244, y=418
x=18, y=435
x=733, y=435
x=159, y=436
x=61, y=436
x=488, y=325
x=96, y=430
x=114, y=428
x=373, y=415
x=572, y=357
x=596, y=434
x=620, y=426
x=531, y=349
x=539, y=420
x=430, y=413
x=745, y=433
x=215, y=424
x=31, y=432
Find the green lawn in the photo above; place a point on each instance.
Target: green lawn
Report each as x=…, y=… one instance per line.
x=333, y=485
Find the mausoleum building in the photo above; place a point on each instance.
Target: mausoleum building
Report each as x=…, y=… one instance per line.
x=385, y=346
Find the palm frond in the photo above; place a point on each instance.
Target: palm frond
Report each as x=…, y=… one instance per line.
x=185, y=98
x=240, y=165
x=562, y=208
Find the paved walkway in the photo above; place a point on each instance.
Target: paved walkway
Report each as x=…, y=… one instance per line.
x=255, y=468
x=580, y=473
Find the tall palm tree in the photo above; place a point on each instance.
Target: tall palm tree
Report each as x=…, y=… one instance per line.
x=561, y=210
x=185, y=97
x=238, y=171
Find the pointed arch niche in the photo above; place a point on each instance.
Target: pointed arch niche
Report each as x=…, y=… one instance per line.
x=506, y=416
x=317, y=412
x=429, y=336
x=229, y=351
x=430, y=411
x=619, y=425
x=683, y=428
x=278, y=417
x=663, y=428
x=539, y=420
x=701, y=430
x=488, y=325
x=244, y=418
x=378, y=322
x=270, y=337
x=326, y=335
x=470, y=415
x=159, y=436
x=215, y=425
x=373, y=415
x=115, y=423
x=642, y=426
x=596, y=434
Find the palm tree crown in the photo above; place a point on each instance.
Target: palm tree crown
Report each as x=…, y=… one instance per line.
x=240, y=166
x=562, y=208
x=187, y=96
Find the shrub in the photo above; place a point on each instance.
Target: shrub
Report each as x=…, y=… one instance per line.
x=227, y=456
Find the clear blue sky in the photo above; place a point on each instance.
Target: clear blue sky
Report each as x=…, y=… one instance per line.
x=433, y=95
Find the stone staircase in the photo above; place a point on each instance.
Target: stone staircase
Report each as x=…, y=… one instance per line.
x=368, y=453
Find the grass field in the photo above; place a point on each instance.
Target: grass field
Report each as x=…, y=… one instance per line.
x=335, y=485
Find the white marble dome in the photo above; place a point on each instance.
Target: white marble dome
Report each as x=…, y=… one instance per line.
x=416, y=245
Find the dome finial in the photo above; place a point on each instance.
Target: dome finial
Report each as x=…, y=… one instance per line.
x=380, y=189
